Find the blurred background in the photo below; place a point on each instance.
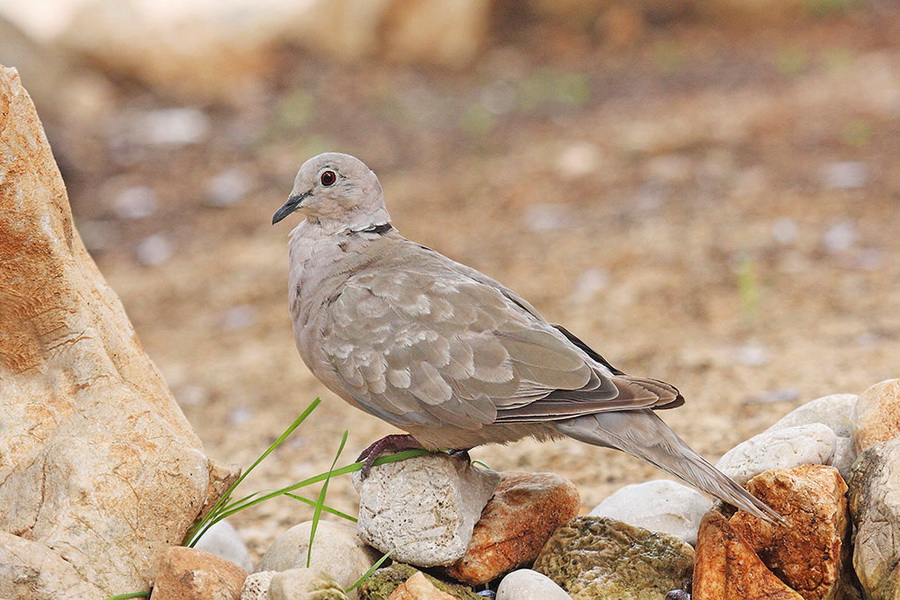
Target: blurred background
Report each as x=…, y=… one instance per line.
x=706, y=192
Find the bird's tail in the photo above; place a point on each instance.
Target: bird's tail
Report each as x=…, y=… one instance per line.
x=641, y=433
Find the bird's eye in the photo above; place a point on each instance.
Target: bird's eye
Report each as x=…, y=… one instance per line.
x=328, y=178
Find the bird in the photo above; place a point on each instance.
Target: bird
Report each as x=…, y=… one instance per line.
x=450, y=355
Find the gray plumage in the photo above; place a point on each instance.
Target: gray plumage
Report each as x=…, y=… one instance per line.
x=448, y=354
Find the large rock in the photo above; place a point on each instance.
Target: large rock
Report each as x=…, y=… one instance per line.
x=728, y=569
x=213, y=51
x=522, y=514
x=100, y=469
x=811, y=555
x=813, y=443
x=423, y=509
x=337, y=550
x=595, y=558
x=836, y=411
x=662, y=505
x=877, y=415
x=875, y=506
x=189, y=574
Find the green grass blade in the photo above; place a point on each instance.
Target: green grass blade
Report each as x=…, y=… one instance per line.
x=325, y=507
x=317, y=513
x=212, y=516
x=144, y=594
x=368, y=573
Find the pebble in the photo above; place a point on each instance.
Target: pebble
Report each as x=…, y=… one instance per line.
x=154, y=250
x=661, y=505
x=526, y=584
x=813, y=443
x=222, y=539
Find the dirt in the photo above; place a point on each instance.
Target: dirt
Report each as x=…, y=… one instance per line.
x=718, y=209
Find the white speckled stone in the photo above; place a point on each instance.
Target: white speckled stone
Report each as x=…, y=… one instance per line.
x=785, y=448
x=423, y=509
x=661, y=505
x=526, y=584
x=836, y=411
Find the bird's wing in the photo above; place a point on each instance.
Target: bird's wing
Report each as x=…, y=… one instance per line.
x=426, y=343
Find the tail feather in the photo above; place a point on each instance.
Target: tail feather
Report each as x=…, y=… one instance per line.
x=644, y=435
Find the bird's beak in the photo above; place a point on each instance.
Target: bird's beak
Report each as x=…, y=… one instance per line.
x=292, y=204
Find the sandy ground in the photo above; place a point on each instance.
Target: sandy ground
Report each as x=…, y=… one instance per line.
x=718, y=211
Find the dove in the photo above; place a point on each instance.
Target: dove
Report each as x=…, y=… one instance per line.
x=449, y=355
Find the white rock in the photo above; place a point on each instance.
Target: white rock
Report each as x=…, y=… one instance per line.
x=227, y=187
x=256, y=586
x=660, y=505
x=154, y=250
x=222, y=539
x=136, y=202
x=423, y=509
x=836, y=411
x=304, y=584
x=844, y=175
x=526, y=584
x=337, y=550
x=813, y=443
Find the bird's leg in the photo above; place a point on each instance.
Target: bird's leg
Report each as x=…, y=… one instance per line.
x=461, y=454
x=387, y=444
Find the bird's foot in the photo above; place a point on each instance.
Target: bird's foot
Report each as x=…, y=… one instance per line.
x=386, y=445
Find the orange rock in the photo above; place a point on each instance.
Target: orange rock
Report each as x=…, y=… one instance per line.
x=812, y=554
x=418, y=587
x=520, y=517
x=727, y=568
x=877, y=415
x=189, y=574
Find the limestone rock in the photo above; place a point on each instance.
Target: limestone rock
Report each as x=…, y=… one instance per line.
x=836, y=411
x=813, y=443
x=256, y=586
x=337, y=550
x=728, y=569
x=189, y=574
x=222, y=539
x=384, y=581
x=877, y=416
x=522, y=514
x=875, y=506
x=596, y=557
x=304, y=584
x=99, y=462
x=418, y=587
x=662, y=505
x=812, y=554
x=526, y=584
x=424, y=509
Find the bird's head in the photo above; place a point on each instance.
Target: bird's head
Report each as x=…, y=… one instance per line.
x=337, y=189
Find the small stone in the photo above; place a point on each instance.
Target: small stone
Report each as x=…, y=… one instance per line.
x=577, y=160
x=173, y=126
x=181, y=573
x=836, y=411
x=526, y=584
x=782, y=448
x=523, y=513
x=844, y=175
x=663, y=506
x=599, y=558
x=135, y=202
x=238, y=317
x=877, y=415
x=423, y=509
x=384, y=581
x=840, y=237
x=227, y=187
x=256, y=586
x=337, y=550
x=418, y=587
x=875, y=507
x=154, y=250
x=304, y=584
x=811, y=555
x=728, y=569
x=222, y=539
